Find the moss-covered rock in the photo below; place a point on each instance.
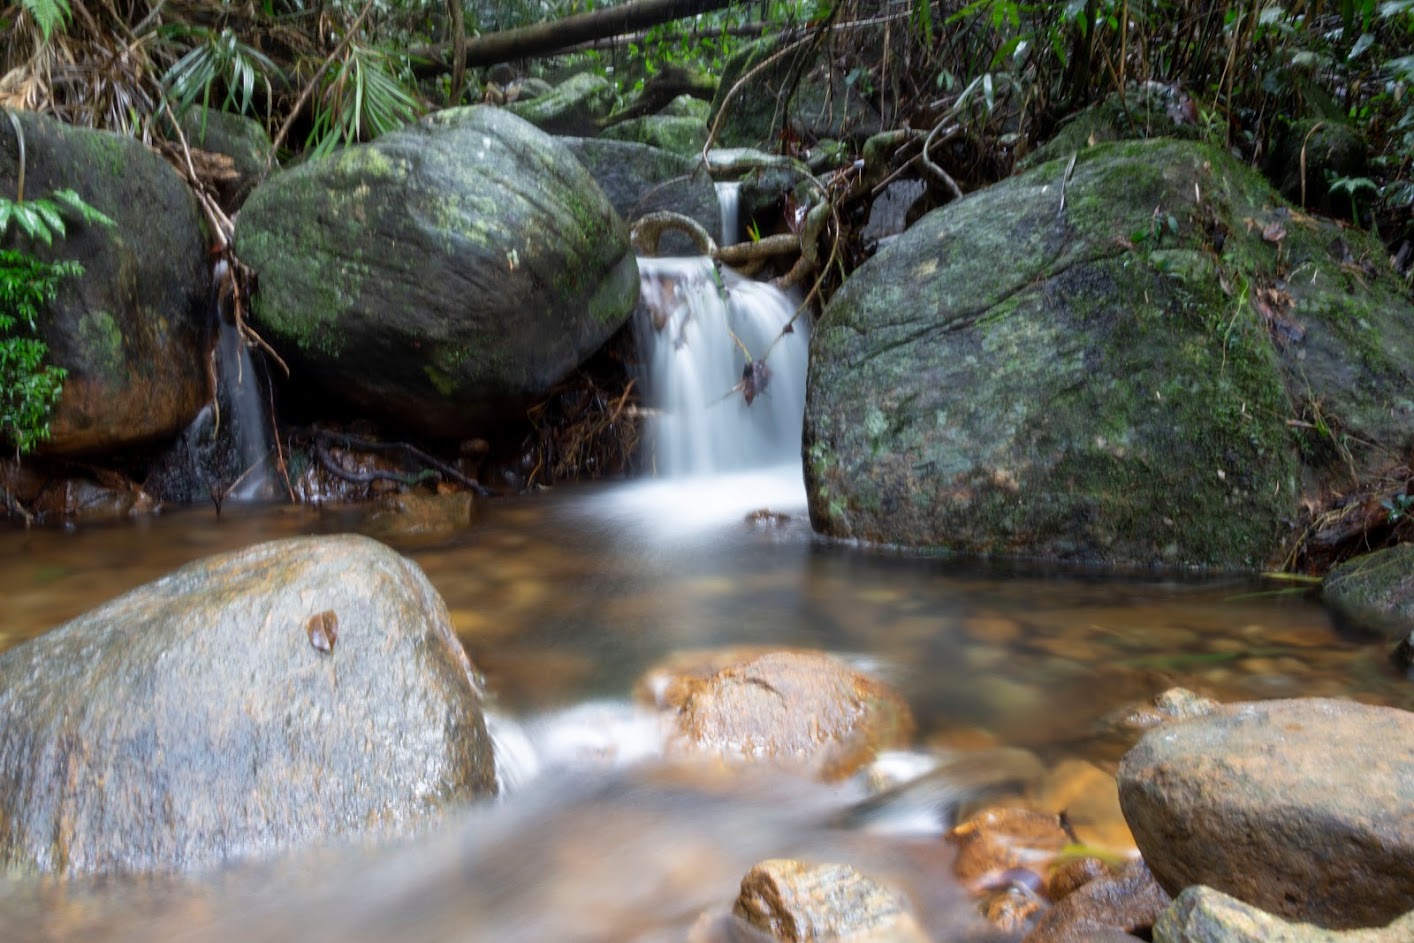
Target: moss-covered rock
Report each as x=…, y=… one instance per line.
x=797, y=90
x=639, y=180
x=241, y=139
x=131, y=330
x=442, y=275
x=575, y=106
x=1150, y=110
x=1376, y=590
x=1147, y=376
x=685, y=136
x=1310, y=155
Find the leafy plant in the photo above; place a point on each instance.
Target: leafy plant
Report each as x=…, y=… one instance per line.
x=217, y=57
x=361, y=99
x=48, y=15
x=42, y=219
x=28, y=388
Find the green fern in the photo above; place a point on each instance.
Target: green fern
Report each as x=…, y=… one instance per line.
x=42, y=219
x=28, y=387
x=48, y=15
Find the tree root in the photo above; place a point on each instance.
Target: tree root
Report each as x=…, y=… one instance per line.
x=434, y=468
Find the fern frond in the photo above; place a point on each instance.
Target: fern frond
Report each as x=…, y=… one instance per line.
x=48, y=15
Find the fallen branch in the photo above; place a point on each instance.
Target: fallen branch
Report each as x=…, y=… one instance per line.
x=648, y=231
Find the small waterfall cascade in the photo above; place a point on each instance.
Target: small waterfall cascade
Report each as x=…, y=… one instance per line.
x=729, y=199
x=243, y=414
x=225, y=454
x=723, y=369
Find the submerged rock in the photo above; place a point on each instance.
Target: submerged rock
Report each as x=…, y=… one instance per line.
x=1104, y=909
x=796, y=902
x=795, y=708
x=442, y=276
x=244, y=704
x=1106, y=363
x=1300, y=807
x=131, y=330
x=1203, y=915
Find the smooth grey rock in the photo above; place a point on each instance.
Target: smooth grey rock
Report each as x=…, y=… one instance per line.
x=194, y=721
x=1203, y=915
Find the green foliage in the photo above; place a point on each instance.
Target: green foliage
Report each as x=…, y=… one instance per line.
x=48, y=15
x=361, y=98
x=41, y=219
x=216, y=58
x=28, y=388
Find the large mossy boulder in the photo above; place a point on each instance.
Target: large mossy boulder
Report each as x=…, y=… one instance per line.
x=131, y=331
x=244, y=704
x=1140, y=362
x=575, y=106
x=442, y=276
x=231, y=151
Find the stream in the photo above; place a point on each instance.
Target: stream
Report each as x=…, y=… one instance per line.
x=564, y=598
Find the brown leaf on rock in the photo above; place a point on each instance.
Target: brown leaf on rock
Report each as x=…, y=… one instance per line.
x=323, y=629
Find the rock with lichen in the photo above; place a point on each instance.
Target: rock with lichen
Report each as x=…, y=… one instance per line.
x=1111, y=362
x=442, y=277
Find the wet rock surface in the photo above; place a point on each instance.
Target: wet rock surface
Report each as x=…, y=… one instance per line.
x=1375, y=590
x=1300, y=807
x=796, y=708
x=131, y=330
x=796, y=902
x=251, y=702
x=1105, y=909
x=442, y=276
x=1203, y=915
x=639, y=180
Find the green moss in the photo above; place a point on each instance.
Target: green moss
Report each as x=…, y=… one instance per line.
x=103, y=346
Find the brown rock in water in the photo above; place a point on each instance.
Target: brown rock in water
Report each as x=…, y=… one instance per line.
x=797, y=902
x=669, y=682
x=1203, y=915
x=795, y=708
x=1304, y=808
x=1069, y=876
x=1105, y=909
x=417, y=518
x=997, y=841
x=196, y=719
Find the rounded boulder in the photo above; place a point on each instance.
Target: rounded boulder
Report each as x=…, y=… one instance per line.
x=244, y=704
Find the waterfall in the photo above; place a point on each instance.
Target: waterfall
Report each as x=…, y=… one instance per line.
x=244, y=416
x=729, y=199
x=722, y=373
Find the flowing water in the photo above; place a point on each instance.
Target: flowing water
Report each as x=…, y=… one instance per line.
x=563, y=599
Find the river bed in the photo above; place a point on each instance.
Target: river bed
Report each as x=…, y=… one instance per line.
x=563, y=598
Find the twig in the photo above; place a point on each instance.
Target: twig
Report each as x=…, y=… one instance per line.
x=937, y=171
x=20, y=138
x=1065, y=182
x=313, y=81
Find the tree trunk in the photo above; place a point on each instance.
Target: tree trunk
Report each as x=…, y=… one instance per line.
x=545, y=38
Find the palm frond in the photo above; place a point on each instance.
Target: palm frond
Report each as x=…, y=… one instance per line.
x=360, y=100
